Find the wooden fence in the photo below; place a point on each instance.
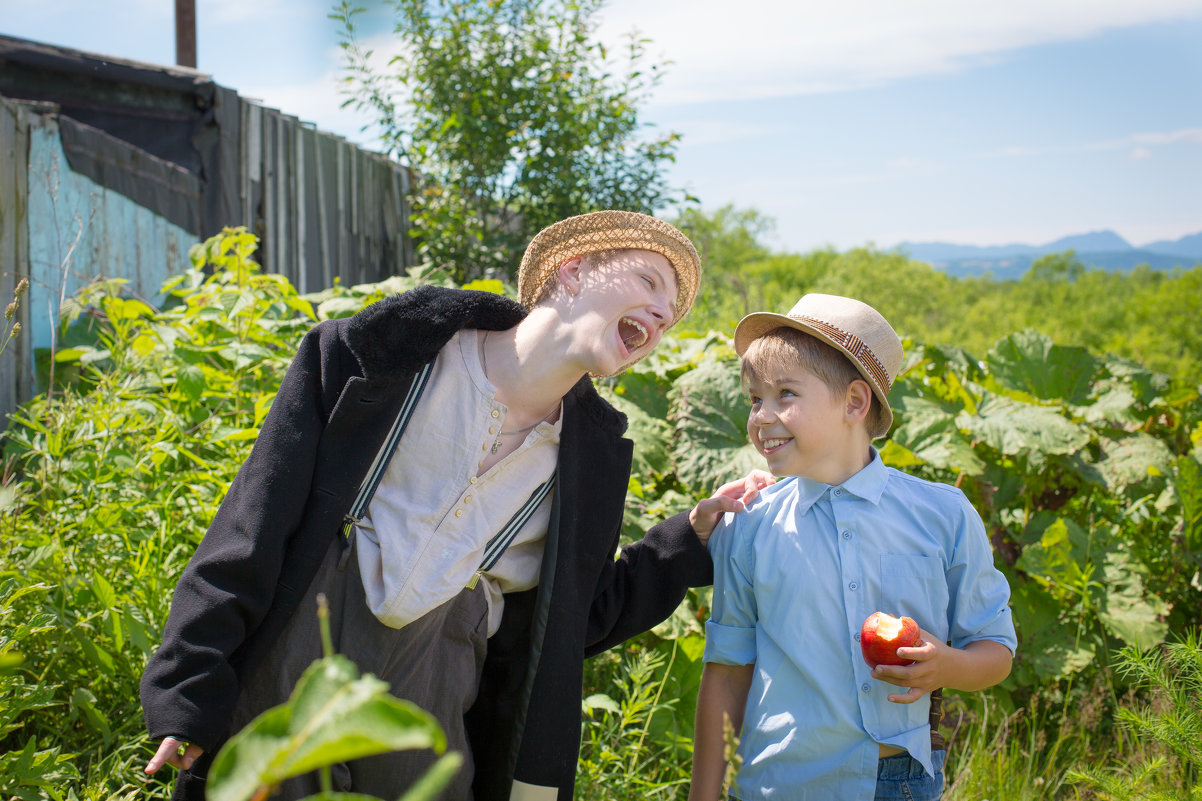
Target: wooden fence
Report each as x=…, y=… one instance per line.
x=81, y=196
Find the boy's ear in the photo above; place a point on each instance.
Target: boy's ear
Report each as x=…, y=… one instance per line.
x=571, y=273
x=858, y=401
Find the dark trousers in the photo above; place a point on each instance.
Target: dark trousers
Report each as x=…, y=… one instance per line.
x=435, y=662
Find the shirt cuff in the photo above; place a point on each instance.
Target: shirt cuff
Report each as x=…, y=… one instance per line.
x=729, y=645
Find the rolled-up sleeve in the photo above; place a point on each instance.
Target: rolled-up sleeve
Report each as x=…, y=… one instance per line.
x=730, y=631
x=979, y=593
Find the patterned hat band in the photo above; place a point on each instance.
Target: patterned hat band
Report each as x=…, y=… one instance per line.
x=849, y=325
x=854, y=345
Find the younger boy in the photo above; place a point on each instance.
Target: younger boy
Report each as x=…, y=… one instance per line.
x=798, y=572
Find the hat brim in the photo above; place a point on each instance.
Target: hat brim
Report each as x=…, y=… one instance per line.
x=756, y=324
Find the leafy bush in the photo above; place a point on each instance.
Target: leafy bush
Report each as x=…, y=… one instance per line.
x=1085, y=469
x=112, y=481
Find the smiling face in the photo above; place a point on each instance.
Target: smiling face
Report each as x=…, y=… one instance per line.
x=795, y=422
x=799, y=419
x=624, y=303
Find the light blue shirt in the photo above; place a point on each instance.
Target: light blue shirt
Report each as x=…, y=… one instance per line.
x=794, y=578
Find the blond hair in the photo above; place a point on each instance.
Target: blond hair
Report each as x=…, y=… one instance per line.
x=786, y=350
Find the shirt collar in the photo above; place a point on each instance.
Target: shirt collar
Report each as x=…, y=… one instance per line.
x=868, y=483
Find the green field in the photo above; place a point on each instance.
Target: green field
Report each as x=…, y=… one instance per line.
x=1065, y=405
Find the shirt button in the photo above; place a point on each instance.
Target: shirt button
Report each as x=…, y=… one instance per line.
x=495, y=413
x=467, y=498
x=847, y=535
x=857, y=636
x=853, y=586
x=866, y=687
x=472, y=479
x=458, y=513
x=492, y=429
x=838, y=493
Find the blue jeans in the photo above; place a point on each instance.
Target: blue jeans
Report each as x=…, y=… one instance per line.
x=902, y=778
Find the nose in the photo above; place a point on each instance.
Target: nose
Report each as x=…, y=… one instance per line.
x=761, y=415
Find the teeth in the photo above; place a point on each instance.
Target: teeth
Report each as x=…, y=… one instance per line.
x=769, y=444
x=637, y=338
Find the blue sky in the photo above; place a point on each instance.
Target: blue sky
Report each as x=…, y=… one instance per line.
x=877, y=121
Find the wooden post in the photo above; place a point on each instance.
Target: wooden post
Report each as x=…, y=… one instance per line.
x=185, y=33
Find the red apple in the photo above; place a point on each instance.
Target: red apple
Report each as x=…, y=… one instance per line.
x=881, y=636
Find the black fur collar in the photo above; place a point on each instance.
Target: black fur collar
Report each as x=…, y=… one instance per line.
x=401, y=333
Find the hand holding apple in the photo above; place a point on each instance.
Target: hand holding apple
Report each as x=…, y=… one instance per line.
x=882, y=634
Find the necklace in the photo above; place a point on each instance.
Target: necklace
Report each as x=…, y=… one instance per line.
x=496, y=445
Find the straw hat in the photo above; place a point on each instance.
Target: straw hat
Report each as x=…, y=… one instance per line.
x=855, y=328
x=608, y=230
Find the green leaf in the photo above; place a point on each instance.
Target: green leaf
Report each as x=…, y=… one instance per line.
x=711, y=427
x=1029, y=362
x=191, y=381
x=1022, y=429
x=332, y=716
x=1136, y=460
x=1189, y=491
x=601, y=701
x=931, y=434
x=652, y=436
x=1128, y=610
x=1055, y=558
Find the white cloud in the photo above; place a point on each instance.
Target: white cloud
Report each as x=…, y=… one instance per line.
x=1139, y=145
x=777, y=48
x=1191, y=136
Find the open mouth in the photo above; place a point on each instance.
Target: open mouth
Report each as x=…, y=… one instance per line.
x=770, y=445
x=633, y=334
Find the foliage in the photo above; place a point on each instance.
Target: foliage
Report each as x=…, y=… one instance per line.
x=637, y=738
x=1171, y=718
x=512, y=116
x=1146, y=315
x=110, y=485
x=1085, y=468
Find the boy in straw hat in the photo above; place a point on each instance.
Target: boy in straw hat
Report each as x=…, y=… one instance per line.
x=797, y=574
x=440, y=467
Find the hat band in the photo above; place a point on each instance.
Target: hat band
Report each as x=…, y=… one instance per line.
x=855, y=346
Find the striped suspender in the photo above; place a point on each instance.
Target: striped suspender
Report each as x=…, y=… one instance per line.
x=500, y=541
x=504, y=538
x=372, y=480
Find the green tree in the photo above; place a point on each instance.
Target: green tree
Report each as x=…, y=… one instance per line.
x=512, y=116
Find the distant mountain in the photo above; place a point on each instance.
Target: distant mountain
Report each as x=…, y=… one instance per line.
x=1103, y=250
x=1188, y=246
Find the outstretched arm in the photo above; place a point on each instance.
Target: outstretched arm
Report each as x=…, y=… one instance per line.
x=722, y=697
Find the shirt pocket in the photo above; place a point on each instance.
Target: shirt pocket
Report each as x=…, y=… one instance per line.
x=914, y=585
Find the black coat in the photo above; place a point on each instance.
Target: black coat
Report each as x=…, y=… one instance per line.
x=334, y=408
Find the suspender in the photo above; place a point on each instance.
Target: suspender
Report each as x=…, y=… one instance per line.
x=504, y=538
x=372, y=480
x=500, y=541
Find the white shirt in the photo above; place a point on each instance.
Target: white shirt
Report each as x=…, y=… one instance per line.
x=424, y=532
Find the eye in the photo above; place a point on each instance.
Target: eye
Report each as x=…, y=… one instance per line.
x=754, y=400
x=650, y=281
x=788, y=393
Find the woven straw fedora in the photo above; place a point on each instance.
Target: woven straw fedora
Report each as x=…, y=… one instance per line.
x=855, y=328
x=608, y=230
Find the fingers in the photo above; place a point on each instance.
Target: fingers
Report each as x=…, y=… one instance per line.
x=191, y=754
x=173, y=751
x=755, y=481
x=706, y=513
x=908, y=697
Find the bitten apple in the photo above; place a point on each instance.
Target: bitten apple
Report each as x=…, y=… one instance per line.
x=881, y=636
